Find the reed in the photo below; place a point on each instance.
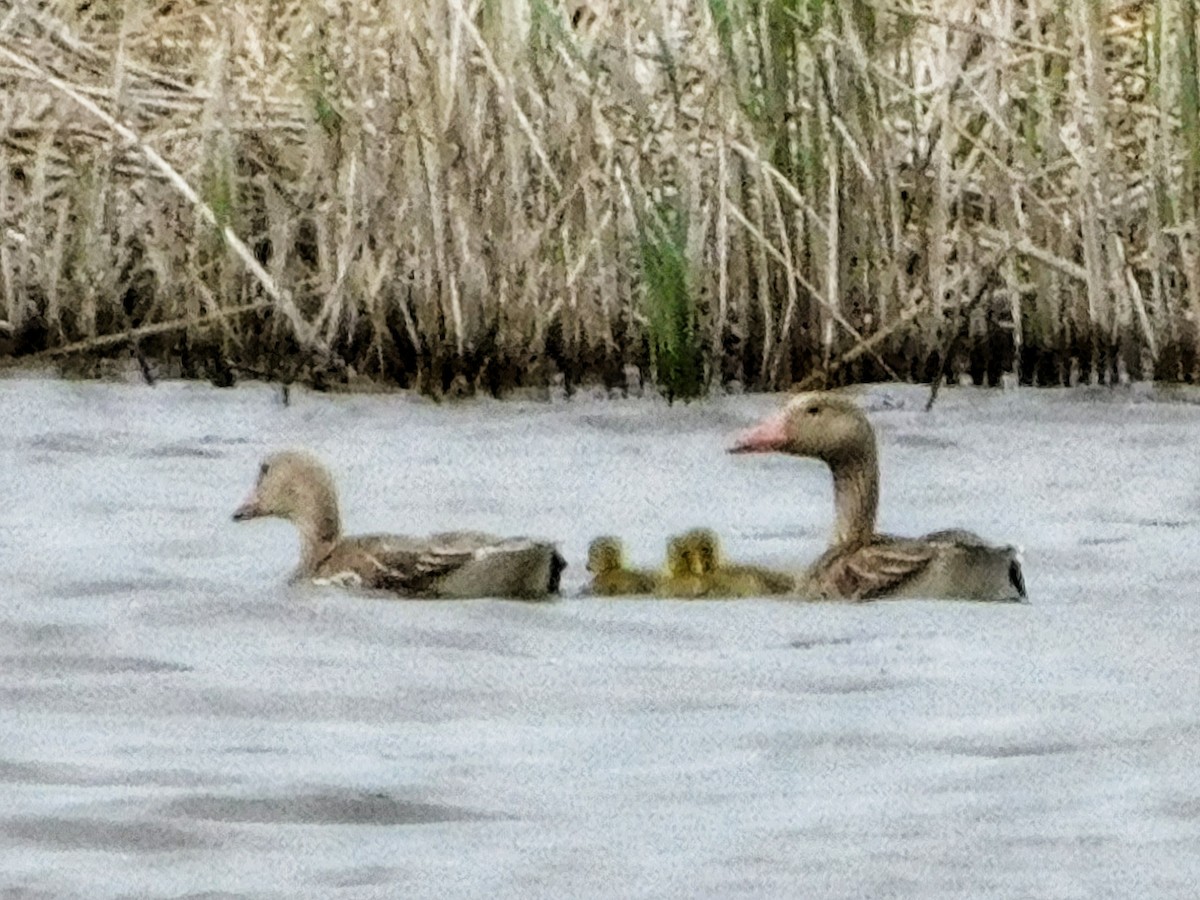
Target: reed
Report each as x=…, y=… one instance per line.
x=457, y=195
x=671, y=323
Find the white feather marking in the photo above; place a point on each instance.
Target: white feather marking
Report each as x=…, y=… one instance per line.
x=341, y=579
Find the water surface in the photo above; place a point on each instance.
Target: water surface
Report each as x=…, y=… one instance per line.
x=176, y=720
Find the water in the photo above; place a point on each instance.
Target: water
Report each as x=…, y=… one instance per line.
x=176, y=720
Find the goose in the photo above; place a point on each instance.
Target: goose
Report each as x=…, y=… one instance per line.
x=862, y=564
x=296, y=486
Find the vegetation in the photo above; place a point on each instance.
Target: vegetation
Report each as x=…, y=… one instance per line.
x=486, y=194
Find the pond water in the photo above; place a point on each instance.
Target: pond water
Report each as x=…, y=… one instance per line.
x=178, y=720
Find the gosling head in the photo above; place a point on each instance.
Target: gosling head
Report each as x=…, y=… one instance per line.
x=604, y=555
x=702, y=549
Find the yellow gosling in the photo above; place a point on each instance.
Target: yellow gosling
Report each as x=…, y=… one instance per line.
x=702, y=547
x=680, y=578
x=610, y=578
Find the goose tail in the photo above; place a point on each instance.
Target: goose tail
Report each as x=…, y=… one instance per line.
x=557, y=564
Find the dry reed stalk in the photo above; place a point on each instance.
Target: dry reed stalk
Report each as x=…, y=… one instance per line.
x=831, y=231
x=717, y=333
x=299, y=325
x=123, y=338
x=1189, y=103
x=835, y=316
x=870, y=344
x=444, y=190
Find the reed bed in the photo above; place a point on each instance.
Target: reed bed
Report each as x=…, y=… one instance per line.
x=480, y=195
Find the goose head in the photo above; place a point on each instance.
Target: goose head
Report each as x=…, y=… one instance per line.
x=819, y=425
x=294, y=485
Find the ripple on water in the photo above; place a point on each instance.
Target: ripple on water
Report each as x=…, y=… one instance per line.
x=88, y=588
x=924, y=441
x=1007, y=749
x=105, y=835
x=327, y=807
x=807, y=643
x=52, y=773
x=1185, y=808
x=55, y=633
x=180, y=451
x=71, y=443
x=849, y=685
x=62, y=664
x=675, y=422
x=361, y=876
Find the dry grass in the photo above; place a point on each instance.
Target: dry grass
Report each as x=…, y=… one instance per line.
x=482, y=194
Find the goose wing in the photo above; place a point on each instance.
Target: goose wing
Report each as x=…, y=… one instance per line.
x=405, y=565
x=875, y=569
x=421, y=566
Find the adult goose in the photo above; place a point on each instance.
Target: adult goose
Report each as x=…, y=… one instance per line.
x=295, y=486
x=862, y=564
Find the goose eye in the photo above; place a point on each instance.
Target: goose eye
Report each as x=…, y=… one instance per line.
x=814, y=410
x=262, y=471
